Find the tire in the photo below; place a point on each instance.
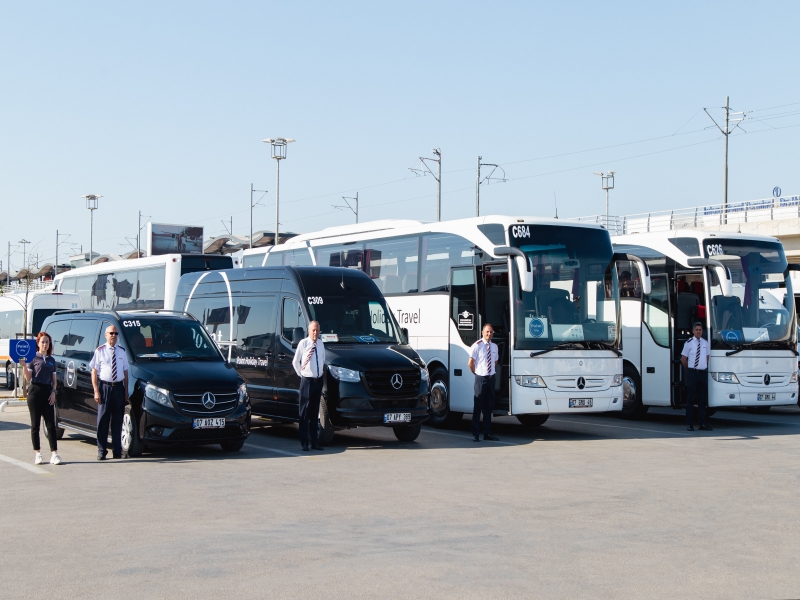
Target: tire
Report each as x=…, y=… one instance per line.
x=441, y=415
x=710, y=411
x=59, y=430
x=232, y=446
x=532, y=420
x=632, y=407
x=326, y=428
x=407, y=433
x=131, y=444
x=757, y=410
x=10, y=380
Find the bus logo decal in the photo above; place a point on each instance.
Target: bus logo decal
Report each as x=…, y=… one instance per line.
x=581, y=383
x=466, y=320
x=766, y=379
x=536, y=328
x=69, y=374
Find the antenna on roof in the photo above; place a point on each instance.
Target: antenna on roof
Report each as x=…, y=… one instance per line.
x=556, y=202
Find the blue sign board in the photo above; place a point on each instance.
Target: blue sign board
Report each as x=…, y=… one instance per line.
x=536, y=328
x=776, y=191
x=732, y=336
x=18, y=349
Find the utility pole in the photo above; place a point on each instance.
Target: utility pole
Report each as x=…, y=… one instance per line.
x=252, y=206
x=91, y=205
x=346, y=198
x=437, y=176
x=727, y=132
x=23, y=241
x=58, y=241
x=486, y=180
x=607, y=183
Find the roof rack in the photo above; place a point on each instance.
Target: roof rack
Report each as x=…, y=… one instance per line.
x=86, y=310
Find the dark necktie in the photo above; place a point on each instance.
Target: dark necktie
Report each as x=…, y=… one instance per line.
x=113, y=364
x=309, y=355
x=697, y=356
x=488, y=358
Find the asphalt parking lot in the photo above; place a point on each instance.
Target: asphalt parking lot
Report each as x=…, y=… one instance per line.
x=582, y=507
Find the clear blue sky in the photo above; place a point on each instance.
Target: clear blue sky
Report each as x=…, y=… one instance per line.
x=162, y=106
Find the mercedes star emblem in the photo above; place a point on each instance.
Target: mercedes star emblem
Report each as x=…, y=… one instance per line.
x=581, y=383
x=208, y=400
x=766, y=379
x=397, y=381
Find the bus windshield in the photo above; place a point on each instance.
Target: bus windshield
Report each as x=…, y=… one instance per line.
x=761, y=308
x=168, y=339
x=575, y=293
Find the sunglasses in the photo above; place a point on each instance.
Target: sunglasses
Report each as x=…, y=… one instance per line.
x=112, y=333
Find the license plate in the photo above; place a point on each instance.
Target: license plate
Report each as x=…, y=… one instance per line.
x=580, y=402
x=209, y=423
x=397, y=418
x=762, y=397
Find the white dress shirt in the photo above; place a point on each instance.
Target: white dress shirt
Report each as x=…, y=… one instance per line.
x=102, y=362
x=479, y=352
x=309, y=359
x=690, y=352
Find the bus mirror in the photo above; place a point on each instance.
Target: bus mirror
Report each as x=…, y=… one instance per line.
x=297, y=336
x=523, y=265
x=722, y=272
x=644, y=271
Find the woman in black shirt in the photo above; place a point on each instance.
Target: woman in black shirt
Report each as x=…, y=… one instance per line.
x=41, y=372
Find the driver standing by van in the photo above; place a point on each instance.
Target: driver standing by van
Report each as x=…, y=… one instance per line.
x=308, y=363
x=110, y=380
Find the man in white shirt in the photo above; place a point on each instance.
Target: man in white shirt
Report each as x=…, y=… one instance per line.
x=695, y=360
x=483, y=358
x=110, y=381
x=308, y=363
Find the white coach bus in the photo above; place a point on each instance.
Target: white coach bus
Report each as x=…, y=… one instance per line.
x=738, y=286
x=22, y=317
x=138, y=283
x=548, y=287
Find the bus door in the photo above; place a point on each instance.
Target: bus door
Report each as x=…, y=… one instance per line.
x=689, y=307
x=494, y=303
x=656, y=362
x=465, y=326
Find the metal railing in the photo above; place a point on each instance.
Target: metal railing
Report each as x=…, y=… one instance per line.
x=21, y=286
x=700, y=217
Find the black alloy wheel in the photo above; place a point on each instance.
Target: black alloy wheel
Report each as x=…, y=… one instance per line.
x=441, y=415
x=632, y=407
x=10, y=379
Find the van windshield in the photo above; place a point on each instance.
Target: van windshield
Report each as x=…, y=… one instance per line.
x=352, y=319
x=168, y=339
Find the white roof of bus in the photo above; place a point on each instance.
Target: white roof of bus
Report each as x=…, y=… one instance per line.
x=42, y=299
x=398, y=227
x=119, y=265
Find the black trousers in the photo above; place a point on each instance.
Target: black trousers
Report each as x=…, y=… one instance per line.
x=110, y=412
x=697, y=384
x=310, y=394
x=483, y=402
x=39, y=406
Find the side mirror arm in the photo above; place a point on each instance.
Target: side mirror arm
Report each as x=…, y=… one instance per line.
x=523, y=265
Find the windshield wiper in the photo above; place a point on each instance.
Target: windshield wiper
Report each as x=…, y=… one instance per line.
x=607, y=346
x=739, y=347
x=564, y=346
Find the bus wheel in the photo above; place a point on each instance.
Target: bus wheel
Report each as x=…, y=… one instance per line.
x=407, y=433
x=632, y=407
x=326, y=429
x=532, y=420
x=131, y=444
x=9, y=377
x=441, y=415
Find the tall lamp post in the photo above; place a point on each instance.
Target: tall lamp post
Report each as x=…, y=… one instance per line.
x=23, y=241
x=607, y=183
x=278, y=153
x=91, y=204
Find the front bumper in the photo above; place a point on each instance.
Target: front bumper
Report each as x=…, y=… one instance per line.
x=732, y=394
x=162, y=425
x=355, y=407
x=526, y=400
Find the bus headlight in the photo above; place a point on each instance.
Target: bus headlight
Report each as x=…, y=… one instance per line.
x=343, y=374
x=793, y=378
x=617, y=381
x=242, y=393
x=529, y=381
x=725, y=377
x=157, y=394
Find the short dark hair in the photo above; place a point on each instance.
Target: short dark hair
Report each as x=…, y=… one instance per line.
x=697, y=324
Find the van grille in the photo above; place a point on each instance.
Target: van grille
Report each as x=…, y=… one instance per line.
x=379, y=383
x=192, y=404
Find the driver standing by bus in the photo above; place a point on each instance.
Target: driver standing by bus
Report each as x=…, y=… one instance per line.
x=483, y=359
x=308, y=363
x=694, y=359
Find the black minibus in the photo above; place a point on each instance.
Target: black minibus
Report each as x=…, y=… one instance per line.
x=258, y=316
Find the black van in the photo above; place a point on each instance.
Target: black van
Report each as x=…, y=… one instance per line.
x=181, y=388
x=372, y=376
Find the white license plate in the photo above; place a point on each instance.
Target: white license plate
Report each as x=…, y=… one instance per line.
x=397, y=418
x=209, y=423
x=766, y=397
x=580, y=402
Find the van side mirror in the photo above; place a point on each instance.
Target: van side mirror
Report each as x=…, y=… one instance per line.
x=298, y=333
x=404, y=331
x=523, y=265
x=723, y=273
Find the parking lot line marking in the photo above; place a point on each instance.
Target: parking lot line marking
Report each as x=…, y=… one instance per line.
x=466, y=438
x=620, y=427
x=266, y=449
x=26, y=466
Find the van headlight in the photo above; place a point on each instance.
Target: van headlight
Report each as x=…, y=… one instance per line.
x=242, y=393
x=725, y=377
x=343, y=374
x=427, y=378
x=529, y=381
x=157, y=394
x=617, y=381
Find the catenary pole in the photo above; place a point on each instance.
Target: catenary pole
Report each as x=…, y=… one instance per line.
x=725, y=183
x=478, y=189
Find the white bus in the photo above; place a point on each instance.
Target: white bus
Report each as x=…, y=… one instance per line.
x=548, y=287
x=138, y=283
x=738, y=286
x=21, y=319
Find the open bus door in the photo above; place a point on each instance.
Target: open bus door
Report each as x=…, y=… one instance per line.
x=656, y=342
x=465, y=321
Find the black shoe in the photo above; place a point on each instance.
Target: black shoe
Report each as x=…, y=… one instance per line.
x=305, y=448
x=475, y=438
x=705, y=428
x=101, y=456
x=316, y=447
x=690, y=428
x=490, y=437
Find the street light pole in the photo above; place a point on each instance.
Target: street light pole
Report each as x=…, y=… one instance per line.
x=279, y=154
x=58, y=241
x=23, y=241
x=607, y=183
x=91, y=205
x=252, y=206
